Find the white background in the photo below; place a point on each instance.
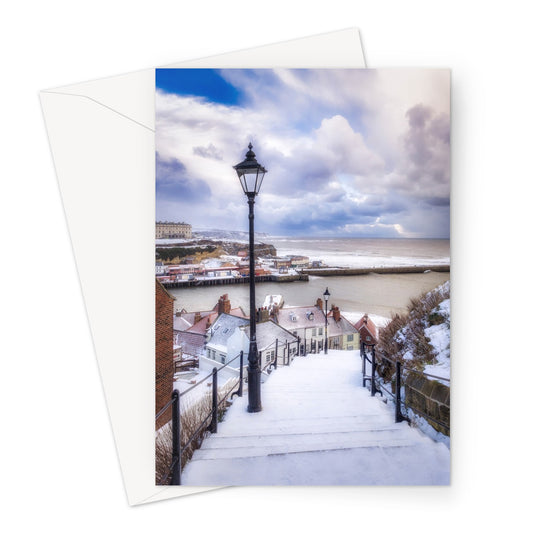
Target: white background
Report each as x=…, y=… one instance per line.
x=59, y=469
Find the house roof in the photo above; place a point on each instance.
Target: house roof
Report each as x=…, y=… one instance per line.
x=191, y=343
x=267, y=333
x=224, y=327
x=365, y=321
x=339, y=327
x=186, y=321
x=300, y=317
x=293, y=318
x=181, y=323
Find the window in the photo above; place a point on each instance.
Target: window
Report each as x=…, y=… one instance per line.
x=350, y=337
x=314, y=332
x=320, y=330
x=223, y=359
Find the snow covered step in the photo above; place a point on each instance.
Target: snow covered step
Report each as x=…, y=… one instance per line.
x=318, y=426
x=418, y=464
x=307, y=425
x=227, y=447
x=303, y=426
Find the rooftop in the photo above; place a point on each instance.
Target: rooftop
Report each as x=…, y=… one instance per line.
x=223, y=328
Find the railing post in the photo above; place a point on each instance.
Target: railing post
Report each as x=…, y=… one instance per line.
x=214, y=415
x=373, y=380
x=239, y=391
x=276, y=358
x=176, y=435
x=399, y=416
x=363, y=357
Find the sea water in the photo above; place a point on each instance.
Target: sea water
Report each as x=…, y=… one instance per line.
x=376, y=294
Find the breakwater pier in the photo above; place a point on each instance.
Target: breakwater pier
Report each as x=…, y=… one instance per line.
x=341, y=271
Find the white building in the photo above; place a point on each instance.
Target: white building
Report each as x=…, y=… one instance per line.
x=160, y=269
x=230, y=334
x=309, y=323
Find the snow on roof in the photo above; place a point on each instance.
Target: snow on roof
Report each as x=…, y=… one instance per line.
x=181, y=323
x=191, y=343
x=223, y=328
x=267, y=333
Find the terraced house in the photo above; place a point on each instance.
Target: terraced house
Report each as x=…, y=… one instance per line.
x=230, y=334
x=309, y=323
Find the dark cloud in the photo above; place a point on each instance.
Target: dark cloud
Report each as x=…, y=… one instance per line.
x=427, y=147
x=209, y=152
x=327, y=214
x=438, y=202
x=172, y=182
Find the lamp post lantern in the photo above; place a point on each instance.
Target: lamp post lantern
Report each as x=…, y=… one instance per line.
x=326, y=298
x=251, y=174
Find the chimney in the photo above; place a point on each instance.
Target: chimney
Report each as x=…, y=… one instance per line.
x=224, y=304
x=336, y=313
x=262, y=315
x=197, y=317
x=319, y=304
x=365, y=319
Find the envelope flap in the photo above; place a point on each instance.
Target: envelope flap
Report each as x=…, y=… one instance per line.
x=329, y=50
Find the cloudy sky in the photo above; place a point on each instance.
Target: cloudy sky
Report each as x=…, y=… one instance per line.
x=349, y=153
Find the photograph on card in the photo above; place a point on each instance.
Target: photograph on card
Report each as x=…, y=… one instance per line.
x=302, y=277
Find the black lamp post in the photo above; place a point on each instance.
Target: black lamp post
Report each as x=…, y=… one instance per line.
x=326, y=298
x=251, y=174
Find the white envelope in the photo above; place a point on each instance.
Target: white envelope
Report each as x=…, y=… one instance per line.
x=101, y=134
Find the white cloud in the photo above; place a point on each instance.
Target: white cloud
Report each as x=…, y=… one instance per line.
x=343, y=150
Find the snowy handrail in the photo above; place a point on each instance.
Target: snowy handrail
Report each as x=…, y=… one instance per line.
x=177, y=449
x=377, y=386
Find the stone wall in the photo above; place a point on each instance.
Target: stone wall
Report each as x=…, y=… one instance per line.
x=431, y=398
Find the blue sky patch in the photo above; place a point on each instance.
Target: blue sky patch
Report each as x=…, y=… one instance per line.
x=205, y=83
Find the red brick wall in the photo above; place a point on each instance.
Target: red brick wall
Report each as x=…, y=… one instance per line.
x=164, y=366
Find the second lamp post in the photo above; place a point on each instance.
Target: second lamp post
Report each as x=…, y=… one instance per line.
x=251, y=175
x=326, y=298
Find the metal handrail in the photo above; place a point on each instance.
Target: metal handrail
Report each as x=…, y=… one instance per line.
x=378, y=385
x=208, y=376
x=177, y=449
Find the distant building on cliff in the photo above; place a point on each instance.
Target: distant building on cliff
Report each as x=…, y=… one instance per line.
x=173, y=230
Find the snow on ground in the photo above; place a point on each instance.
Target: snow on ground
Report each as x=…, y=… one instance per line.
x=318, y=426
x=187, y=380
x=439, y=338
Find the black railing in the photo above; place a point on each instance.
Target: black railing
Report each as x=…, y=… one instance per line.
x=378, y=384
x=286, y=356
x=209, y=423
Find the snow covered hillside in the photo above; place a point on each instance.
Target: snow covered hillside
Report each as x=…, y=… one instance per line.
x=421, y=338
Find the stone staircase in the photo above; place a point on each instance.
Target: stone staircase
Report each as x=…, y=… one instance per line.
x=318, y=426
